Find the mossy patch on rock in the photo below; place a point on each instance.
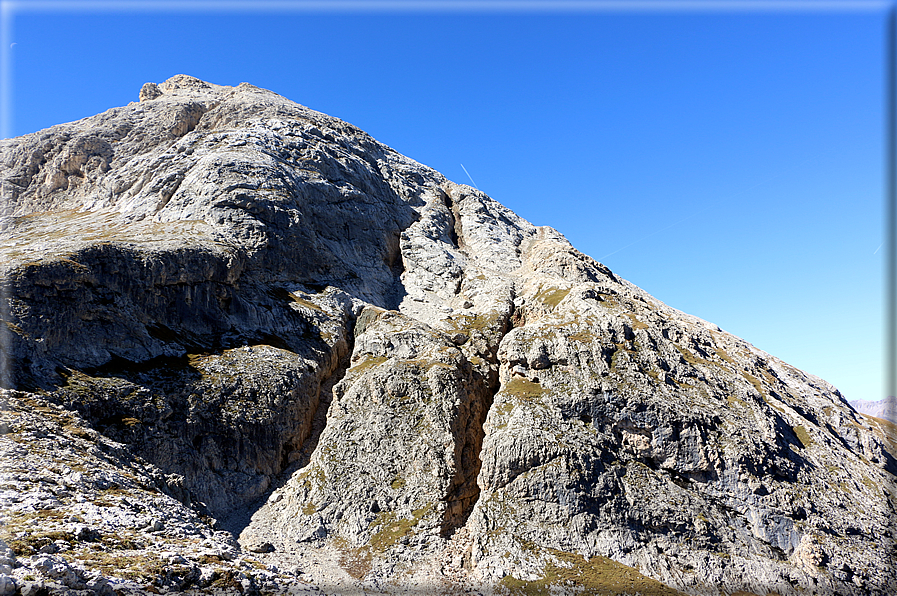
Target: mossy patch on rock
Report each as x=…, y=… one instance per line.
x=551, y=296
x=803, y=436
x=595, y=576
x=524, y=388
x=392, y=529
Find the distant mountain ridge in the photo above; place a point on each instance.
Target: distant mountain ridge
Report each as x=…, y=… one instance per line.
x=885, y=409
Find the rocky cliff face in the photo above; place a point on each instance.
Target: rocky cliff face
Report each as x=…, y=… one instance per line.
x=225, y=311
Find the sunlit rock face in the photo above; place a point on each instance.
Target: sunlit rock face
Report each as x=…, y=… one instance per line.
x=249, y=347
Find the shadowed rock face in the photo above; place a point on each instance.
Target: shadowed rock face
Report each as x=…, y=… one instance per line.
x=352, y=361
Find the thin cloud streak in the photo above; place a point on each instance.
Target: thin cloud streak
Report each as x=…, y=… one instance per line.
x=469, y=176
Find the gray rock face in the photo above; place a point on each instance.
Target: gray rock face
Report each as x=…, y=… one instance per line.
x=380, y=380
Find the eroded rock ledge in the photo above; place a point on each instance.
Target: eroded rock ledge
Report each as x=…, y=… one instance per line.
x=225, y=311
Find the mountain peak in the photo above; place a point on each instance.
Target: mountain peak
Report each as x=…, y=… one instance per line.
x=260, y=330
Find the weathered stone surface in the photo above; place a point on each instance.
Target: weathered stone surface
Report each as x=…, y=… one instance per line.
x=222, y=305
x=80, y=512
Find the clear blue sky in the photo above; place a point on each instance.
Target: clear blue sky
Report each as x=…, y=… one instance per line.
x=728, y=162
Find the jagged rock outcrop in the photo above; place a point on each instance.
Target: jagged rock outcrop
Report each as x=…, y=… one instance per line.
x=378, y=379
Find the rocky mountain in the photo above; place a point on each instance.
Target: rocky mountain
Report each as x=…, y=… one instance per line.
x=248, y=347
x=883, y=408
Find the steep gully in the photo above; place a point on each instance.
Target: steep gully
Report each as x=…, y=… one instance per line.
x=467, y=425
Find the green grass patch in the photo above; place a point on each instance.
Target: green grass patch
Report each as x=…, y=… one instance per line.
x=521, y=387
x=306, y=303
x=732, y=400
x=724, y=355
x=120, y=542
x=691, y=358
x=505, y=408
x=803, y=436
x=770, y=378
x=313, y=476
x=285, y=295
x=368, y=362
x=585, y=337
x=80, y=432
x=636, y=324
x=754, y=381
x=595, y=576
x=393, y=529
x=870, y=484
x=31, y=543
x=126, y=566
x=552, y=296
x=607, y=301
x=227, y=579
x=653, y=375
x=474, y=322
x=771, y=403
x=619, y=353
x=885, y=429
x=424, y=364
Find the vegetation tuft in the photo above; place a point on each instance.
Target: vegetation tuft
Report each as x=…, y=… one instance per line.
x=636, y=324
x=598, y=576
x=392, y=529
x=803, y=436
x=369, y=362
x=551, y=296
x=524, y=388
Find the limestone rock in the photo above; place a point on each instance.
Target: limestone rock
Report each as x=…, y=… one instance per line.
x=262, y=351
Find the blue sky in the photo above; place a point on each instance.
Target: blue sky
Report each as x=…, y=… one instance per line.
x=729, y=162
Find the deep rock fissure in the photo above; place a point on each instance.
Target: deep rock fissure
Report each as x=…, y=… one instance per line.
x=319, y=421
x=294, y=461
x=466, y=493
x=455, y=231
